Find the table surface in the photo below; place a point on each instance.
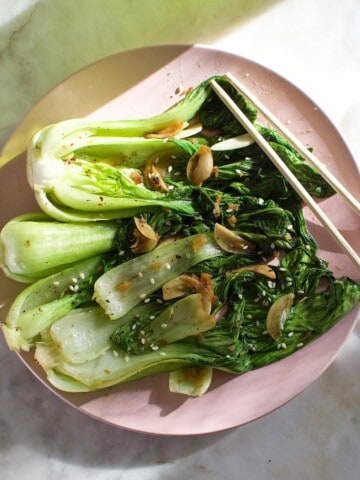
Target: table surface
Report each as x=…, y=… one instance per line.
x=316, y=45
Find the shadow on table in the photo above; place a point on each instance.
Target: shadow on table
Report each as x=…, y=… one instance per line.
x=50, y=40
x=34, y=417
x=47, y=42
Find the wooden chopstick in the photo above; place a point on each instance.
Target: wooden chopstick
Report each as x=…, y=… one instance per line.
x=322, y=169
x=286, y=172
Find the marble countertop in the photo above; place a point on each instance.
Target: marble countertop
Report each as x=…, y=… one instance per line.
x=316, y=46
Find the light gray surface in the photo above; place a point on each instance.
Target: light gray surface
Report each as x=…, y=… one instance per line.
x=313, y=44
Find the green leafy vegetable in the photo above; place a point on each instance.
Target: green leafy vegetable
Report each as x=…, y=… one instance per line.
x=34, y=246
x=151, y=255
x=123, y=287
x=49, y=299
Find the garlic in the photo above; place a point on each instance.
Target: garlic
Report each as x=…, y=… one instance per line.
x=189, y=131
x=176, y=287
x=277, y=315
x=146, y=238
x=200, y=166
x=154, y=179
x=241, y=141
x=169, y=131
x=230, y=241
x=264, y=270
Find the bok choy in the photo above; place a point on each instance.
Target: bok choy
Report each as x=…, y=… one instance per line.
x=33, y=246
x=166, y=244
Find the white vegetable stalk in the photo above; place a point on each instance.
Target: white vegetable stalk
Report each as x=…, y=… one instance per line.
x=123, y=287
x=88, y=156
x=33, y=246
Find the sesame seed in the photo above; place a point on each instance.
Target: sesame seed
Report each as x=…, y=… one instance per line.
x=142, y=332
x=265, y=332
x=249, y=315
x=290, y=334
x=142, y=295
x=170, y=168
x=282, y=269
x=126, y=358
x=163, y=354
x=164, y=325
x=82, y=275
x=154, y=347
x=56, y=283
x=158, y=300
x=74, y=280
x=152, y=281
x=152, y=317
x=143, y=341
x=121, y=253
x=283, y=345
x=171, y=187
x=263, y=293
x=272, y=245
x=115, y=353
x=299, y=345
x=261, y=201
x=133, y=326
x=168, y=266
x=140, y=274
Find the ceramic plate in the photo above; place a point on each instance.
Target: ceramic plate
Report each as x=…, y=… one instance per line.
x=143, y=82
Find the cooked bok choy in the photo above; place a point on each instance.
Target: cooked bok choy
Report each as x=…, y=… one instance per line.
x=33, y=246
x=166, y=244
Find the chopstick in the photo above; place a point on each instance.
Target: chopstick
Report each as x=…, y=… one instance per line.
x=322, y=169
x=282, y=167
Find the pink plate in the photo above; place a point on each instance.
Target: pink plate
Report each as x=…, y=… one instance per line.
x=140, y=83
